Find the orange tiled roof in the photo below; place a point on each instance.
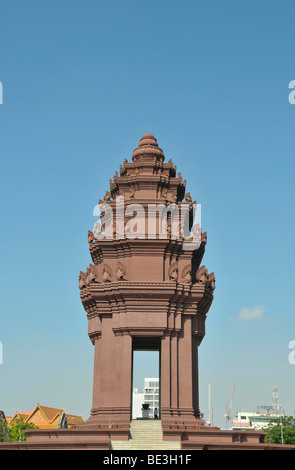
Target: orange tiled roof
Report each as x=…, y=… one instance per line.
x=74, y=420
x=20, y=414
x=51, y=414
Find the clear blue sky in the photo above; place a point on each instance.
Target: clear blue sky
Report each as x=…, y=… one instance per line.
x=82, y=82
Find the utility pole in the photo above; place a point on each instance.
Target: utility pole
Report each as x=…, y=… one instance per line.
x=282, y=436
x=209, y=406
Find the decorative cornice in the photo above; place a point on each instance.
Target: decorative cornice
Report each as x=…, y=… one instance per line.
x=139, y=331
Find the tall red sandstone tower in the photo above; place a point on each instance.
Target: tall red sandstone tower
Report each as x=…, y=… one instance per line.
x=146, y=289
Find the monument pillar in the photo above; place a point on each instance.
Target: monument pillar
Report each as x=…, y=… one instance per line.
x=185, y=370
x=174, y=379
x=165, y=376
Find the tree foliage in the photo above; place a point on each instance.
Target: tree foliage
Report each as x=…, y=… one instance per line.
x=15, y=430
x=281, y=431
x=4, y=431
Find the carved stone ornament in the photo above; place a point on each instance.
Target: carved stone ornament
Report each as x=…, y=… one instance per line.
x=106, y=273
x=204, y=238
x=90, y=274
x=188, y=197
x=121, y=271
x=107, y=196
x=82, y=278
x=187, y=274
x=173, y=271
x=164, y=193
x=173, y=198
x=131, y=192
x=91, y=236
x=211, y=281
x=203, y=277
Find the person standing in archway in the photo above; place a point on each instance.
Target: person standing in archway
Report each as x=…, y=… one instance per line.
x=156, y=413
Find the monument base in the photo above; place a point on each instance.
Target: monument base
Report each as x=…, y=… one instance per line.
x=88, y=437
x=79, y=438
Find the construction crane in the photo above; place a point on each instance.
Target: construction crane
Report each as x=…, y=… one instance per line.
x=228, y=410
x=275, y=400
x=249, y=406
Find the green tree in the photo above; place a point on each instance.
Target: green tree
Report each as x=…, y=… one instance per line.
x=4, y=431
x=17, y=428
x=281, y=430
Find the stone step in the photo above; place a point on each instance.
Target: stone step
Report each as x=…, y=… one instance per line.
x=148, y=447
x=127, y=445
x=145, y=435
x=145, y=423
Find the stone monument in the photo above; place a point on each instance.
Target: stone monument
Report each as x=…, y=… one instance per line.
x=146, y=289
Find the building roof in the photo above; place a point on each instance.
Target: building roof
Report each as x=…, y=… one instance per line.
x=50, y=415
x=20, y=414
x=74, y=420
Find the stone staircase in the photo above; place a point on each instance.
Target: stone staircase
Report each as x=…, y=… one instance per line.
x=145, y=435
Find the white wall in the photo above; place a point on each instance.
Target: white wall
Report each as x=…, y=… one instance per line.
x=137, y=405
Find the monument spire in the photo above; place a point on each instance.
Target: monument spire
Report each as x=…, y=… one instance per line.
x=148, y=145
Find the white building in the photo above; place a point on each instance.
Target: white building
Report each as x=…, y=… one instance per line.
x=255, y=420
x=137, y=401
x=150, y=394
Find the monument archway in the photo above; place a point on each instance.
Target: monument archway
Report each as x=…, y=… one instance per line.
x=146, y=365
x=146, y=285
